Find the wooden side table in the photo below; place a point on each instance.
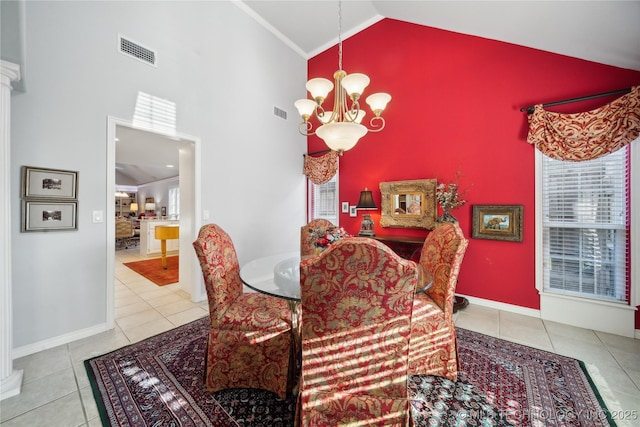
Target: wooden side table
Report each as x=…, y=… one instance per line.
x=406, y=247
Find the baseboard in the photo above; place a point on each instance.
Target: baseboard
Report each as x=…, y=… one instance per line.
x=56, y=341
x=531, y=312
x=11, y=385
x=502, y=306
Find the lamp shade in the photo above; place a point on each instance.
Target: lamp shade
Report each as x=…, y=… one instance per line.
x=149, y=206
x=356, y=118
x=133, y=207
x=355, y=83
x=366, y=200
x=341, y=136
x=378, y=102
x=319, y=87
x=305, y=107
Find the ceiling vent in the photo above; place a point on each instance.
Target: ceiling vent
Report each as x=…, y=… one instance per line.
x=280, y=113
x=133, y=49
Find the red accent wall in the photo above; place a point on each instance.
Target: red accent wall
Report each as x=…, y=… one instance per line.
x=456, y=108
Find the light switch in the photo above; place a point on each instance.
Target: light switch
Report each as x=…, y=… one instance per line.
x=97, y=217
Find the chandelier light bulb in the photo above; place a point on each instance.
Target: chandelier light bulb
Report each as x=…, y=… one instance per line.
x=356, y=118
x=325, y=117
x=378, y=102
x=305, y=108
x=355, y=84
x=319, y=88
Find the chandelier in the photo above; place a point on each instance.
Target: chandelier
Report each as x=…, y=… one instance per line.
x=341, y=128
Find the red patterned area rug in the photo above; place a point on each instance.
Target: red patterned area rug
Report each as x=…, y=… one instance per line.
x=152, y=270
x=159, y=382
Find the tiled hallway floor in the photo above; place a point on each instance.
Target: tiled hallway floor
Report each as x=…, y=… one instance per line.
x=56, y=390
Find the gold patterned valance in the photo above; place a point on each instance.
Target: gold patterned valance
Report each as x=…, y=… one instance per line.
x=321, y=169
x=587, y=135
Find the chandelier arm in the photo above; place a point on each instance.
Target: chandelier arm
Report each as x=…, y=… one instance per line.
x=375, y=126
x=319, y=112
x=354, y=111
x=305, y=128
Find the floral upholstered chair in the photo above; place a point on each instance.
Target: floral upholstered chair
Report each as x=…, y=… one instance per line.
x=249, y=342
x=306, y=240
x=433, y=335
x=357, y=298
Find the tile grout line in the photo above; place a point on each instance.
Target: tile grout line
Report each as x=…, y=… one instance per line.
x=622, y=368
x=78, y=390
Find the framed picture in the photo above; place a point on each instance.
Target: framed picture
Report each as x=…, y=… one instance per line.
x=42, y=215
x=497, y=222
x=409, y=204
x=345, y=207
x=163, y=211
x=353, y=212
x=38, y=183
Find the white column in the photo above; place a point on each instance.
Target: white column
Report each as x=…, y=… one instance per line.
x=10, y=379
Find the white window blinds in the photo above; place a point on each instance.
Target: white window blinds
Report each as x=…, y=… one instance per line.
x=585, y=226
x=323, y=200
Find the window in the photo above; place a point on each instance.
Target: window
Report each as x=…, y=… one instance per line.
x=174, y=203
x=323, y=200
x=585, y=227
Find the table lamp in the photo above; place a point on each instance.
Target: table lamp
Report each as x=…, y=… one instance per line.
x=134, y=207
x=366, y=203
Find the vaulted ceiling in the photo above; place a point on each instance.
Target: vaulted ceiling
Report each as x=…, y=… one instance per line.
x=607, y=32
x=602, y=31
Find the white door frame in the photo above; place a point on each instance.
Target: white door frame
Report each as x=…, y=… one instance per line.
x=190, y=221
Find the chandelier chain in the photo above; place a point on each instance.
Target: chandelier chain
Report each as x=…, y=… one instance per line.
x=339, y=35
x=340, y=128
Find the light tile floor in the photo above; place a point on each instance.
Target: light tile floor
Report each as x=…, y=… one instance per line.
x=56, y=390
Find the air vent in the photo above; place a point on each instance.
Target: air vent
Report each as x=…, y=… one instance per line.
x=139, y=52
x=280, y=113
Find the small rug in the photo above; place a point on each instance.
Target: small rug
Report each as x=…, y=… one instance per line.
x=159, y=382
x=152, y=270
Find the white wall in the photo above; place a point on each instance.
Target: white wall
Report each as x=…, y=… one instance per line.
x=159, y=190
x=224, y=72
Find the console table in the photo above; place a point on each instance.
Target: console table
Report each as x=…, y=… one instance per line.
x=406, y=247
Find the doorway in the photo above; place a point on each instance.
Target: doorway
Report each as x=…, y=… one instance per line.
x=189, y=185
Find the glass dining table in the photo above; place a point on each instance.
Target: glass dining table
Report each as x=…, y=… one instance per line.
x=279, y=276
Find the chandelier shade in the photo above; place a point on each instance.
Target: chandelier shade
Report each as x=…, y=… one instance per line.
x=355, y=84
x=342, y=127
x=341, y=136
x=319, y=88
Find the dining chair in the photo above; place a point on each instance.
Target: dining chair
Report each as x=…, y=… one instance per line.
x=306, y=243
x=357, y=298
x=124, y=233
x=249, y=341
x=433, y=336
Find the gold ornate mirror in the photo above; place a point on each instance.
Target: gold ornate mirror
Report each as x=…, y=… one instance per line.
x=409, y=204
